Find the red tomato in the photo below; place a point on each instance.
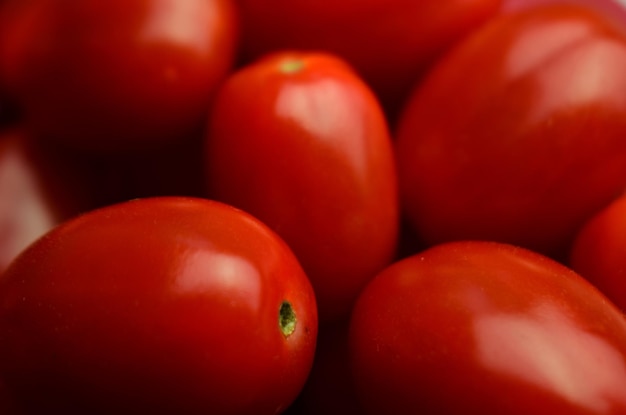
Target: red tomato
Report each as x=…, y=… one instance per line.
x=299, y=141
x=114, y=75
x=599, y=251
x=486, y=328
x=160, y=305
x=389, y=42
x=526, y=145
x=38, y=190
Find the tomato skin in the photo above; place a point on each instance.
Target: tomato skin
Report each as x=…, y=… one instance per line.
x=389, y=42
x=314, y=161
x=599, y=251
x=160, y=305
x=614, y=8
x=529, y=144
x=112, y=75
x=486, y=328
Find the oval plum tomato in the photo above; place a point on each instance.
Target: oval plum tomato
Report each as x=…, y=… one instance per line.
x=528, y=144
x=389, y=42
x=161, y=305
x=115, y=75
x=599, y=251
x=38, y=190
x=314, y=161
x=486, y=328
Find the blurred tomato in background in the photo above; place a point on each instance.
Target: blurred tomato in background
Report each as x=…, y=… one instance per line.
x=612, y=10
x=112, y=76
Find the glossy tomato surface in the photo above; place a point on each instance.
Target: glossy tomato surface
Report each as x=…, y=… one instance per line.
x=38, y=190
x=160, y=305
x=599, y=251
x=612, y=10
x=116, y=75
x=487, y=328
x=299, y=141
x=526, y=145
x=389, y=42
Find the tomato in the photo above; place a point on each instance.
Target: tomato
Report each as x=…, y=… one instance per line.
x=599, y=251
x=526, y=145
x=486, y=328
x=116, y=75
x=299, y=141
x=389, y=42
x=157, y=305
x=38, y=190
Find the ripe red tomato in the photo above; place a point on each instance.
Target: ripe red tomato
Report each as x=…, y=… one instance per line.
x=299, y=141
x=389, y=42
x=159, y=305
x=115, y=75
x=486, y=328
x=38, y=190
x=526, y=145
x=599, y=251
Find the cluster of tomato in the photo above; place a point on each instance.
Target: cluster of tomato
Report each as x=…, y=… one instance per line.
x=312, y=207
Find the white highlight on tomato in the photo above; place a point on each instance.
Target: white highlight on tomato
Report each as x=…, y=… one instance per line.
x=226, y=275
x=547, y=349
x=168, y=21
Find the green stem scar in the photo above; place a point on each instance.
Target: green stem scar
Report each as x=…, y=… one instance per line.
x=287, y=319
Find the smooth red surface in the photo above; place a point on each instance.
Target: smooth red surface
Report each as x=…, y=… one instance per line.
x=487, y=328
x=614, y=9
x=308, y=151
x=162, y=305
x=38, y=190
x=529, y=143
x=113, y=75
x=599, y=251
x=389, y=42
